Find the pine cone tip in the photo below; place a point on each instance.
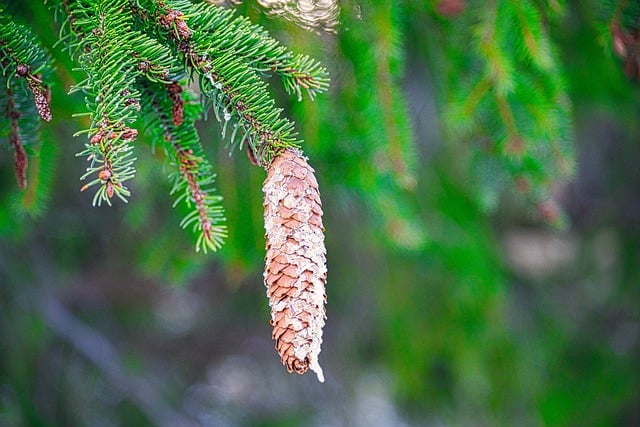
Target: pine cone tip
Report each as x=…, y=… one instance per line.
x=315, y=367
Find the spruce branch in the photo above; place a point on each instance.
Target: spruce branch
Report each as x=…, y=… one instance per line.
x=24, y=70
x=228, y=60
x=378, y=132
x=534, y=36
x=21, y=56
x=196, y=192
x=389, y=95
x=136, y=54
x=105, y=33
x=265, y=54
x=521, y=84
x=170, y=121
x=498, y=63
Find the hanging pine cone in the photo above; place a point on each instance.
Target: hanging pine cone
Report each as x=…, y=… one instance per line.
x=295, y=271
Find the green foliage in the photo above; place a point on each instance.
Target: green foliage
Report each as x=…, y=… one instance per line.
x=505, y=91
x=25, y=72
x=365, y=138
x=416, y=148
x=135, y=55
x=192, y=177
x=229, y=67
x=104, y=47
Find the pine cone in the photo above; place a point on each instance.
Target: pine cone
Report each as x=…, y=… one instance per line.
x=295, y=271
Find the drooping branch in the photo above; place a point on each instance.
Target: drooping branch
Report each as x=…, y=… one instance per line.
x=24, y=67
x=125, y=47
x=105, y=32
x=170, y=122
x=517, y=107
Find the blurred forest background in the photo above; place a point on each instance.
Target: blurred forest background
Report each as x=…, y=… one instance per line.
x=454, y=297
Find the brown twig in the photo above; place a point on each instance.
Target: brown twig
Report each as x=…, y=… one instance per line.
x=21, y=161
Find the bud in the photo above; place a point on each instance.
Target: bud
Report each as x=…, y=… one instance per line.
x=105, y=175
x=22, y=70
x=295, y=270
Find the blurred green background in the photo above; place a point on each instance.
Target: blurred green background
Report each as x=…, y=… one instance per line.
x=442, y=309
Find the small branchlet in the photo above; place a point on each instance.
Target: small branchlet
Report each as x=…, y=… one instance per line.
x=24, y=64
x=506, y=107
x=110, y=155
x=24, y=67
x=106, y=36
x=193, y=177
x=20, y=155
x=207, y=211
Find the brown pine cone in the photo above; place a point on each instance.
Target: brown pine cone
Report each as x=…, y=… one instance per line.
x=295, y=271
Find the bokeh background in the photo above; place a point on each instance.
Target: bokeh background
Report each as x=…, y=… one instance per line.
x=443, y=309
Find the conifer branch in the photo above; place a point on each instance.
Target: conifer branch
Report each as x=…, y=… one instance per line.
x=534, y=36
x=125, y=47
x=128, y=46
x=25, y=67
x=226, y=75
x=389, y=97
x=22, y=57
x=521, y=85
x=499, y=67
x=170, y=120
x=382, y=147
x=105, y=32
x=264, y=53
